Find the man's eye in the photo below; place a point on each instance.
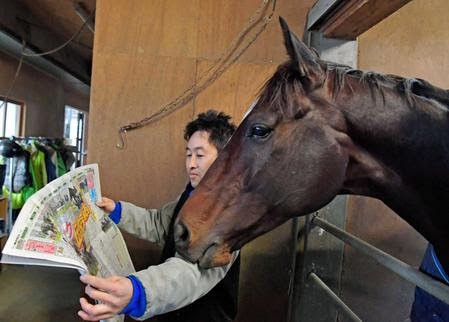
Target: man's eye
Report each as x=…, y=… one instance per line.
x=260, y=131
x=200, y=155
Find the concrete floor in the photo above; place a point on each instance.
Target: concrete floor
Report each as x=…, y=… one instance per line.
x=39, y=294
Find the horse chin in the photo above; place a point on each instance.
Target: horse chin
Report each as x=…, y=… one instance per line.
x=215, y=255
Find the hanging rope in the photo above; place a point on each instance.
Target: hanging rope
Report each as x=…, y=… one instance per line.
x=253, y=28
x=52, y=51
x=16, y=75
x=24, y=54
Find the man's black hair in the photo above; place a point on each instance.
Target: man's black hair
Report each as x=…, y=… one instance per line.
x=217, y=124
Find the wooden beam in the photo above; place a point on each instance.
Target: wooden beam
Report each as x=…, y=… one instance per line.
x=351, y=18
x=17, y=23
x=12, y=45
x=320, y=9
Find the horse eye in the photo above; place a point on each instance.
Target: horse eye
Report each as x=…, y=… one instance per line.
x=260, y=131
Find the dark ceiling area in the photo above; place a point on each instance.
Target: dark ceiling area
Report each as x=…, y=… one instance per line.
x=47, y=24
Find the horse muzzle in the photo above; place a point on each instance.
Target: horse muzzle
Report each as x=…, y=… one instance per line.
x=208, y=254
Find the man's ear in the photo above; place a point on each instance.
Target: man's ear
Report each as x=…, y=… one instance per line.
x=306, y=60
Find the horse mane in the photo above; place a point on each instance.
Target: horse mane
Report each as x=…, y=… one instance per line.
x=282, y=88
x=423, y=88
x=410, y=87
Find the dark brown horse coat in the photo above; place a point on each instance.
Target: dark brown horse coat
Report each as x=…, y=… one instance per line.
x=318, y=130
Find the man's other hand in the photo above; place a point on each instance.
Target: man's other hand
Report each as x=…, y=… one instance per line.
x=112, y=294
x=108, y=205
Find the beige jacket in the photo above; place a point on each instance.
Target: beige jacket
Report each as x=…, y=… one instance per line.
x=176, y=282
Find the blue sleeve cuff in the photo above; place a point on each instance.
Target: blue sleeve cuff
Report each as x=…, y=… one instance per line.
x=136, y=307
x=116, y=214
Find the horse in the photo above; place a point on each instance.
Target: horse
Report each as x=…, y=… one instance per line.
x=317, y=130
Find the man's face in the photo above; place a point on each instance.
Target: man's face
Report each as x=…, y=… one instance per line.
x=200, y=154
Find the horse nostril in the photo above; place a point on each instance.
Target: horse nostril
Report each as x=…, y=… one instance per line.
x=182, y=235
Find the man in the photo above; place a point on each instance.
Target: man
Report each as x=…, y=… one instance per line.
x=176, y=286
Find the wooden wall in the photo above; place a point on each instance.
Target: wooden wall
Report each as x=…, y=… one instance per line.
x=413, y=42
x=146, y=53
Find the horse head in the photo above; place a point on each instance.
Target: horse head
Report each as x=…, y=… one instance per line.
x=294, y=152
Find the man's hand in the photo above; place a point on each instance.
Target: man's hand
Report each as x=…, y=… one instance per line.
x=113, y=294
x=108, y=205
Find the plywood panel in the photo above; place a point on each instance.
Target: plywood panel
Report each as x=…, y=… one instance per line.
x=413, y=42
x=221, y=21
x=154, y=154
x=234, y=92
x=156, y=27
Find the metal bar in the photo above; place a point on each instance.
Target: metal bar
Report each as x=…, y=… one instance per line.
x=12, y=45
x=8, y=223
x=342, y=305
x=320, y=10
x=79, y=140
x=291, y=284
x=409, y=273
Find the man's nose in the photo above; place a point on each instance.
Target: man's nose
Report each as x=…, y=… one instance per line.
x=192, y=163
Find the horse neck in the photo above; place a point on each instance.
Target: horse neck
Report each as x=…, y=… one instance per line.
x=410, y=145
x=407, y=136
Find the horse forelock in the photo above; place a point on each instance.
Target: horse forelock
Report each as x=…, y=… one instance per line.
x=280, y=92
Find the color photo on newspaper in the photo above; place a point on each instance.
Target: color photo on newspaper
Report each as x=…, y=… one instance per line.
x=61, y=225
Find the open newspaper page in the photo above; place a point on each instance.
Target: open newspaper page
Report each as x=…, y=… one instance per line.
x=60, y=225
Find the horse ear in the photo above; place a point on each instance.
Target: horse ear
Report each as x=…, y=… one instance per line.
x=307, y=60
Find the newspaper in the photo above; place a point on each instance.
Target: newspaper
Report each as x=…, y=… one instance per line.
x=60, y=225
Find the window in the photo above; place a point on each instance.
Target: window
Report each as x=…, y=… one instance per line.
x=10, y=118
x=74, y=131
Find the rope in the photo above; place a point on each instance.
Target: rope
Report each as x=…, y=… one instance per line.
x=25, y=54
x=52, y=51
x=251, y=31
x=19, y=67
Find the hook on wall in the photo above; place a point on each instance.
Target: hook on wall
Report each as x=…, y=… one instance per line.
x=122, y=136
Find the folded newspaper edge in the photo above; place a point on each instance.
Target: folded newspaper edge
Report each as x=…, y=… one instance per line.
x=61, y=226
